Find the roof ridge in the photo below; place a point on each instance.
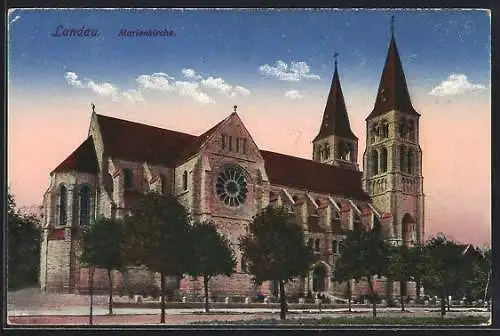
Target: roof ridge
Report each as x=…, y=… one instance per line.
x=143, y=124
x=309, y=160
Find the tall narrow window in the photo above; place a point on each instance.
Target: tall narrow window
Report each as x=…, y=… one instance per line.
x=245, y=146
x=223, y=141
x=185, y=180
x=62, y=211
x=411, y=130
x=84, y=206
x=335, y=246
x=230, y=143
x=316, y=245
x=127, y=178
x=402, y=128
x=383, y=160
x=374, y=165
x=402, y=159
x=237, y=145
x=410, y=161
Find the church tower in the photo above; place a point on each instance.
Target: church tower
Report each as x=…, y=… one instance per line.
x=392, y=161
x=335, y=143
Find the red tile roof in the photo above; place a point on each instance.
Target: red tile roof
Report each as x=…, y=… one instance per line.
x=392, y=92
x=313, y=176
x=83, y=159
x=139, y=142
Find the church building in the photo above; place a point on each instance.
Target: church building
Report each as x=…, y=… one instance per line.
x=222, y=176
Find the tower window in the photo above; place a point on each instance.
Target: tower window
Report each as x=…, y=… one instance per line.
x=410, y=161
x=327, y=151
x=318, y=153
x=230, y=143
x=384, y=129
x=373, y=133
x=185, y=180
x=402, y=159
x=310, y=242
x=374, y=161
x=402, y=129
x=411, y=130
x=383, y=160
x=62, y=206
x=127, y=178
x=84, y=206
x=237, y=145
x=345, y=150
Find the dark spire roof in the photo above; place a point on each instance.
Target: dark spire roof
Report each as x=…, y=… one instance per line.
x=392, y=92
x=335, y=119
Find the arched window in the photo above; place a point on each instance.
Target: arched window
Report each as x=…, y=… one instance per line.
x=62, y=206
x=127, y=178
x=317, y=201
x=310, y=243
x=295, y=199
x=383, y=160
x=410, y=161
x=244, y=265
x=402, y=128
x=402, y=159
x=163, y=183
x=373, y=133
x=316, y=245
x=411, y=130
x=327, y=151
x=318, y=152
x=84, y=206
x=185, y=180
x=374, y=166
x=384, y=129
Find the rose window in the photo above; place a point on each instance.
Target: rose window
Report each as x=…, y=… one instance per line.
x=231, y=187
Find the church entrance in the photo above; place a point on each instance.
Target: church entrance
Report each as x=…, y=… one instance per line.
x=318, y=280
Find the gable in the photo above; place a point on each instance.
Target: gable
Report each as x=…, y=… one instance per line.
x=230, y=137
x=83, y=159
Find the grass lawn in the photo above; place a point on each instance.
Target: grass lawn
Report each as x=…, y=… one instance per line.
x=365, y=320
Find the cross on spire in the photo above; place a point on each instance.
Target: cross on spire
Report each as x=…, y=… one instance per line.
x=235, y=107
x=392, y=25
x=335, y=56
x=93, y=107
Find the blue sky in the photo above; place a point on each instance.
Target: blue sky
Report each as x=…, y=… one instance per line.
x=277, y=67
x=233, y=44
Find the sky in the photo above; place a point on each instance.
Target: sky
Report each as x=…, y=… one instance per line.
x=276, y=65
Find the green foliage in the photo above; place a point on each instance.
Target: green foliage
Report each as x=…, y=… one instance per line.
x=101, y=244
x=157, y=235
x=101, y=247
x=365, y=254
x=23, y=247
x=275, y=248
x=400, y=266
x=211, y=252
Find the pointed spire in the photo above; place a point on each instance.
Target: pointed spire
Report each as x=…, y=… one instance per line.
x=335, y=119
x=393, y=91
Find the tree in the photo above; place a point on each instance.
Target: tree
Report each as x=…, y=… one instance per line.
x=275, y=250
x=444, y=267
x=345, y=272
x=211, y=254
x=400, y=269
x=416, y=265
x=158, y=238
x=365, y=255
x=101, y=248
x=23, y=247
